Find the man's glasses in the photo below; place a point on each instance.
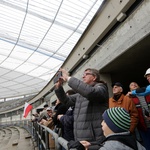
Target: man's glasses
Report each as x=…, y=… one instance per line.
x=87, y=73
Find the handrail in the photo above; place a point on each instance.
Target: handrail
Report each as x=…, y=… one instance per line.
x=46, y=129
x=40, y=134
x=63, y=142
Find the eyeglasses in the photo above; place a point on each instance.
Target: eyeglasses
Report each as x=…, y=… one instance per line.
x=87, y=73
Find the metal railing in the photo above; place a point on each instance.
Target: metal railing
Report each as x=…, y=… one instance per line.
x=40, y=134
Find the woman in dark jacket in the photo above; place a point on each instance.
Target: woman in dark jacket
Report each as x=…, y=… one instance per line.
x=59, y=109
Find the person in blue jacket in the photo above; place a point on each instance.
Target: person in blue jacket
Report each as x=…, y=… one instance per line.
x=144, y=91
x=140, y=93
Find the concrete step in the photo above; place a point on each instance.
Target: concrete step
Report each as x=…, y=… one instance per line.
x=19, y=139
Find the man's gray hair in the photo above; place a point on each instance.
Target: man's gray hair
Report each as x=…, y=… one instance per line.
x=95, y=73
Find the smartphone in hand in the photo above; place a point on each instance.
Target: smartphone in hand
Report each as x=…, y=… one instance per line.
x=57, y=76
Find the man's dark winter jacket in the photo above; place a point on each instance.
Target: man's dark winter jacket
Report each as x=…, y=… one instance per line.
x=90, y=102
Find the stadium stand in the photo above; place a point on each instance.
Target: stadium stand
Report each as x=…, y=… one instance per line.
x=15, y=138
x=17, y=102
x=125, y=36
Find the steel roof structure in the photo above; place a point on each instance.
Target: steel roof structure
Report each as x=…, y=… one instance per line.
x=36, y=37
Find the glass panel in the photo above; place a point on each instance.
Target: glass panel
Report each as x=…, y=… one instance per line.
x=36, y=37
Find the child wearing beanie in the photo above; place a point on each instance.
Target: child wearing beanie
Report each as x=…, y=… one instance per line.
x=117, y=119
x=115, y=126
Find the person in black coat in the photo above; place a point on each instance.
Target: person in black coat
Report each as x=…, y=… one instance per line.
x=59, y=109
x=67, y=121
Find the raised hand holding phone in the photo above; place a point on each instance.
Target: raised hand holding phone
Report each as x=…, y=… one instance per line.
x=57, y=76
x=65, y=74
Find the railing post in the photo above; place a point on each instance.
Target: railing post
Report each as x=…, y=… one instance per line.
x=38, y=140
x=47, y=140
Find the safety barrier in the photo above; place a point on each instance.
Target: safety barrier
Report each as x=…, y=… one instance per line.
x=40, y=134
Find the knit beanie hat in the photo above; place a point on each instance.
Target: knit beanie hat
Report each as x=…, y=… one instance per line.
x=117, y=119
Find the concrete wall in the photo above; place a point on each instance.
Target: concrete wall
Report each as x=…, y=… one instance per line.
x=132, y=31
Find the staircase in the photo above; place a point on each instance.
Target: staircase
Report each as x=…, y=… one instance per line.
x=16, y=138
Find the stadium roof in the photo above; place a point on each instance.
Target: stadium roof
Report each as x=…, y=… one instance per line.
x=36, y=37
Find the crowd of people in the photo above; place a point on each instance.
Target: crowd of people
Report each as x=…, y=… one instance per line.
x=89, y=120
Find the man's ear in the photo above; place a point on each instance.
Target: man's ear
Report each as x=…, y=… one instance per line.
x=94, y=79
x=121, y=89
